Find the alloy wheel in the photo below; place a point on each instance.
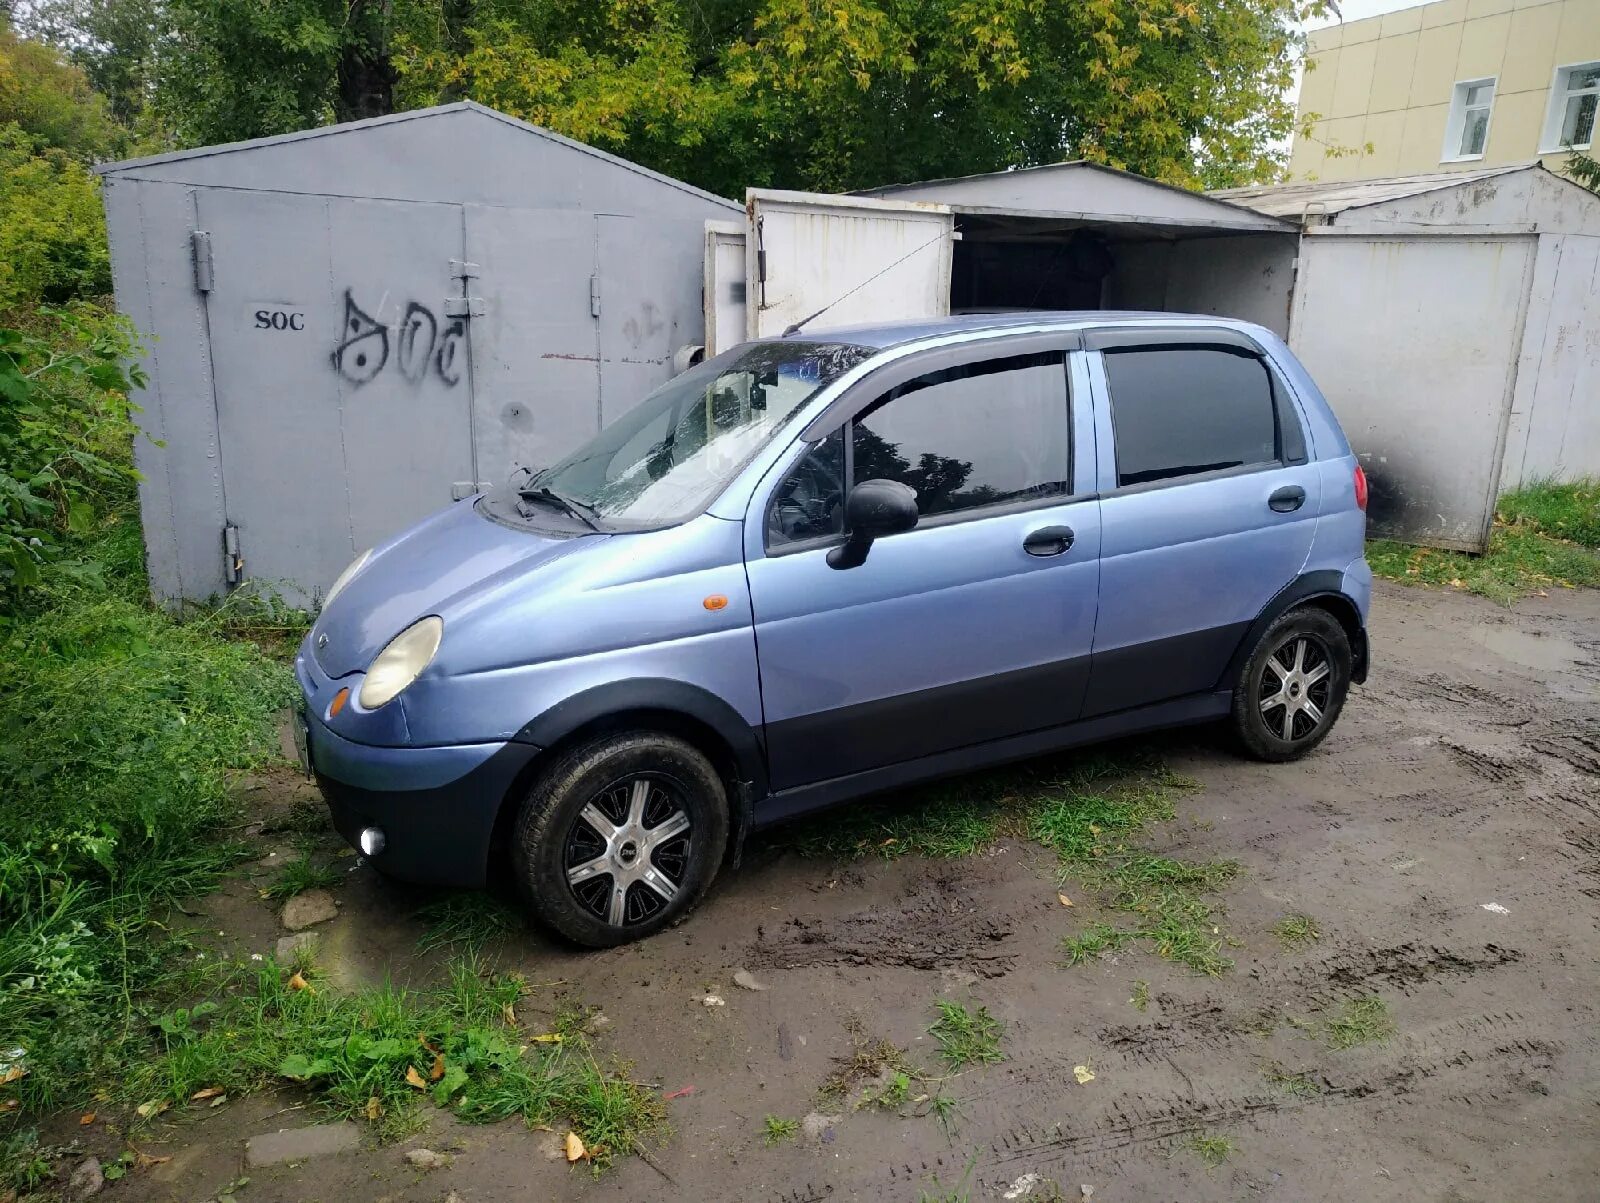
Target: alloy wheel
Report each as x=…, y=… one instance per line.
x=628, y=850
x=1294, y=688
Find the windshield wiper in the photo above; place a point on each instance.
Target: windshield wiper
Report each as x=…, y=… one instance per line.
x=585, y=514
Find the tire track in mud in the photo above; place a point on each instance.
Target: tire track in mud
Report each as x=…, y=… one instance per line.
x=946, y=921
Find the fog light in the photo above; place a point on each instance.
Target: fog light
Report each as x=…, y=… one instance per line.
x=371, y=840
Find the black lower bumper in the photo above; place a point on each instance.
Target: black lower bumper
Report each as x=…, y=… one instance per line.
x=437, y=836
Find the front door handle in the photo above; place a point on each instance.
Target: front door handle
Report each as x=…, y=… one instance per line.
x=1048, y=541
x=1287, y=499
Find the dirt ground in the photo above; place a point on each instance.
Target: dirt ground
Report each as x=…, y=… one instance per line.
x=1466, y=773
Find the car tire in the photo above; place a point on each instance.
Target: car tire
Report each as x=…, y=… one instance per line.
x=1284, y=704
x=620, y=837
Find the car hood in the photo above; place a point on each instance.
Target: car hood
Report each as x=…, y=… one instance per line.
x=430, y=569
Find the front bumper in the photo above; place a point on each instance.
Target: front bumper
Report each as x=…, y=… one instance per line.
x=436, y=806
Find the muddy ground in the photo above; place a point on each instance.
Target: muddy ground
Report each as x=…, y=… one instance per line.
x=1466, y=773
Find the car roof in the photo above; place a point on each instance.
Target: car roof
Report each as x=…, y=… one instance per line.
x=893, y=334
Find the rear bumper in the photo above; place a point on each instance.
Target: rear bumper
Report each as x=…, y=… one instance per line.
x=436, y=806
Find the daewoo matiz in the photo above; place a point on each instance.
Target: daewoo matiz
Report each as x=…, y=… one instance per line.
x=817, y=567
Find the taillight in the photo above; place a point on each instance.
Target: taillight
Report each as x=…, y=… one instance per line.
x=1361, y=488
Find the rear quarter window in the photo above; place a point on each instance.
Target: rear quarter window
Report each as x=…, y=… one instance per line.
x=1180, y=411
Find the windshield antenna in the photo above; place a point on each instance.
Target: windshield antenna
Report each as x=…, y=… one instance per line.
x=805, y=321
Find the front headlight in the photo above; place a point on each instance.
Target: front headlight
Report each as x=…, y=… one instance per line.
x=345, y=577
x=401, y=662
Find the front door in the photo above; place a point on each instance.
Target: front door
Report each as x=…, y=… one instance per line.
x=1209, y=505
x=971, y=627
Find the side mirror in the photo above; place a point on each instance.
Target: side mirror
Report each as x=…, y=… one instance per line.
x=875, y=508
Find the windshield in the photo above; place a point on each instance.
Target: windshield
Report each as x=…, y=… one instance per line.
x=666, y=459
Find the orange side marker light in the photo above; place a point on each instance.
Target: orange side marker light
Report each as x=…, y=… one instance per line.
x=339, y=699
x=715, y=602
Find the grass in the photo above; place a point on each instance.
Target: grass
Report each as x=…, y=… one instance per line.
x=1087, y=809
x=1296, y=931
x=1295, y=1082
x=775, y=1130
x=466, y=921
x=1140, y=998
x=122, y=729
x=966, y=1037
x=1544, y=536
x=1361, y=1021
x=1211, y=1148
x=299, y=875
x=380, y=1055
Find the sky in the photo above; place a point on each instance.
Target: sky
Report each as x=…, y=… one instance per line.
x=1355, y=10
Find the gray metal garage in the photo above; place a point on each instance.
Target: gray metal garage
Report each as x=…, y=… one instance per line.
x=350, y=326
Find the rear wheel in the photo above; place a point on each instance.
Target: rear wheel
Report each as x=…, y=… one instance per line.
x=620, y=837
x=1293, y=686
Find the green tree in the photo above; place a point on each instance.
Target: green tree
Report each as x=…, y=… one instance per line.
x=1584, y=169
x=52, y=228
x=725, y=93
x=51, y=100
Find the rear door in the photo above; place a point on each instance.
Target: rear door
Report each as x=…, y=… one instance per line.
x=1208, y=507
x=974, y=626
x=865, y=260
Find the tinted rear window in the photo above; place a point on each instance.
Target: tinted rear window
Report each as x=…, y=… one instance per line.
x=1178, y=411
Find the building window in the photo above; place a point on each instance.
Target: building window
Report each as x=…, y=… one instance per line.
x=1574, y=96
x=1468, y=130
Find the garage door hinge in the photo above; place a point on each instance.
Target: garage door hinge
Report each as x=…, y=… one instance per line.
x=594, y=296
x=464, y=307
x=200, y=248
x=461, y=269
x=232, y=558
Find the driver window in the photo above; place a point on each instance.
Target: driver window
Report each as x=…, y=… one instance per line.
x=809, y=504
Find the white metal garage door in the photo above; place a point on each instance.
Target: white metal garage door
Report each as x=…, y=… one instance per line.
x=1414, y=340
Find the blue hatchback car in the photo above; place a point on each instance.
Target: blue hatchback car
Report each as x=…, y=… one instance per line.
x=821, y=566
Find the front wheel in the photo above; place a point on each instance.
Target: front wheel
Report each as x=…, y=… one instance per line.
x=620, y=837
x=1293, y=686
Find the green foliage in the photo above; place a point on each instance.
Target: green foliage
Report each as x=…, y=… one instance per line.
x=1544, y=536
x=65, y=431
x=789, y=93
x=1211, y=1148
x=51, y=101
x=1584, y=169
x=113, y=42
x=1295, y=931
x=467, y=919
x=966, y=1037
x=52, y=228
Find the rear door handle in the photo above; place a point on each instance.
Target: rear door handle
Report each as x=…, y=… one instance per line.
x=1287, y=499
x=1048, y=541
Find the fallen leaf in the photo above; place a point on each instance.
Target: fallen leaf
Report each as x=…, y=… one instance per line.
x=9, y=1104
x=509, y=1014
x=437, y=1071
x=413, y=1078
x=153, y=1107
x=86, y=1118
x=887, y=842
x=13, y=1073
x=681, y=1092
x=1083, y=1073
x=1064, y=900
x=210, y=1092
x=714, y=1000
x=575, y=1149
x=143, y=1161
x=296, y=982
x=374, y=1108
x=422, y=1039
x=548, y=1038
x=218, y=1101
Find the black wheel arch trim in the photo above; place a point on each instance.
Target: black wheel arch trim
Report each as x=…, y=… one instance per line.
x=659, y=694
x=1307, y=587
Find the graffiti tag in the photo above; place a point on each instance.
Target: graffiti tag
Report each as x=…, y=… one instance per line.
x=419, y=344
